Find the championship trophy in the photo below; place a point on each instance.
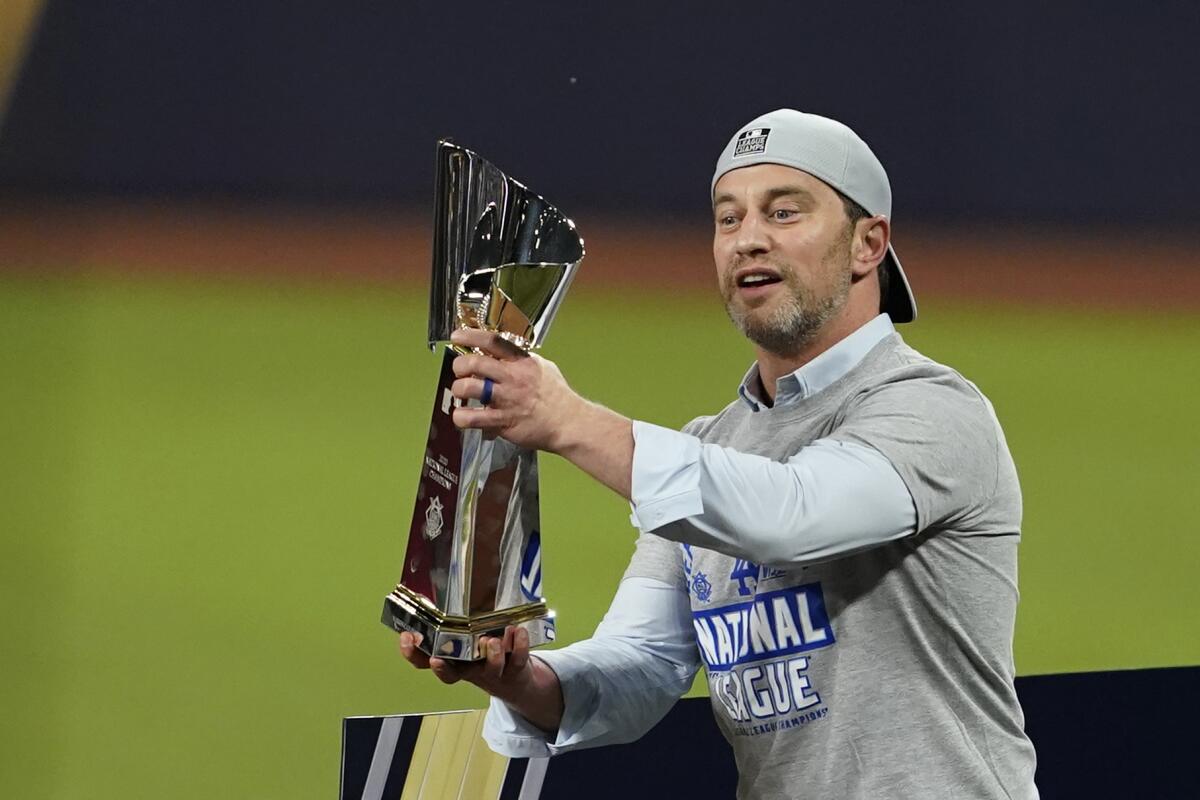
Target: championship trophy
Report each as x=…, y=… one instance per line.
x=503, y=259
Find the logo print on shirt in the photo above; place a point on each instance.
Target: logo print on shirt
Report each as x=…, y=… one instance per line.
x=758, y=652
x=746, y=574
x=701, y=587
x=779, y=623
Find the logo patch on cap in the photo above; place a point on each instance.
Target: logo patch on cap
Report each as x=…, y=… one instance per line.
x=751, y=142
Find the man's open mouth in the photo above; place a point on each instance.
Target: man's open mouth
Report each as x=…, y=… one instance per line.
x=754, y=279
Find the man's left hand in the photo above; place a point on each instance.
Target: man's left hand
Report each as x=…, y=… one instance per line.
x=531, y=403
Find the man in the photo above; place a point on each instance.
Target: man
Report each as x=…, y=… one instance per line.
x=838, y=545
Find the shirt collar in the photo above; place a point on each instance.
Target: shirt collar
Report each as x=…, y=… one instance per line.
x=822, y=370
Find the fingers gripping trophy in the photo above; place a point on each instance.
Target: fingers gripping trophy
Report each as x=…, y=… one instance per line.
x=503, y=259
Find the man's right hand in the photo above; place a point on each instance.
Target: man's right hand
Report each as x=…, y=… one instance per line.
x=507, y=673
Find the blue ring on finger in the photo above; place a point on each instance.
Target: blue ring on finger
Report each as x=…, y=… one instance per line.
x=486, y=397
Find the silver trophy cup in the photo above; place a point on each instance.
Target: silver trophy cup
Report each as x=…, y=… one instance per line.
x=503, y=259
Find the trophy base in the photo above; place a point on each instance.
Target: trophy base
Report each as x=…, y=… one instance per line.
x=457, y=638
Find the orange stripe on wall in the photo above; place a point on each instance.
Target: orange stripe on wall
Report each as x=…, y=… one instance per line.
x=1110, y=269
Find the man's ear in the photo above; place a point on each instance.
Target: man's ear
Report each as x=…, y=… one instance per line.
x=870, y=244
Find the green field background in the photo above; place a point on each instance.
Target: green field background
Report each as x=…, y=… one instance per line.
x=206, y=488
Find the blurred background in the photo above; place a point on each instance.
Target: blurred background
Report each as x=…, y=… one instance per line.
x=214, y=389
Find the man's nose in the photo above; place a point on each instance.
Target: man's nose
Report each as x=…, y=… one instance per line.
x=752, y=236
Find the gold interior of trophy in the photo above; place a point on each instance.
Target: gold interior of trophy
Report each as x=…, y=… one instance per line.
x=507, y=299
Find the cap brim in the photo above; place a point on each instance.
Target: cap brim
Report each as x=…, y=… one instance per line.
x=899, y=304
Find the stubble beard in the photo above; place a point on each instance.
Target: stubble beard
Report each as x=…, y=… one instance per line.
x=796, y=319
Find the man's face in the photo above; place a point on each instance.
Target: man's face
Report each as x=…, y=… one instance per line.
x=782, y=249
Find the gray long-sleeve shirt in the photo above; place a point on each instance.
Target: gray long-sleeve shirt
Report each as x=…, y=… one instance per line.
x=799, y=574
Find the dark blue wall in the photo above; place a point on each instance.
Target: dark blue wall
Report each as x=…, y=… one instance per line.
x=1127, y=734
x=1068, y=111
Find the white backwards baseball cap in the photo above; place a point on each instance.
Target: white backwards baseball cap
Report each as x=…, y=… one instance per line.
x=831, y=152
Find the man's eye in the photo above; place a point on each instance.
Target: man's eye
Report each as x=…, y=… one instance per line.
x=727, y=220
x=783, y=213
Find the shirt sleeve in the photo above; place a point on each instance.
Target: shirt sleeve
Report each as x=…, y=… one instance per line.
x=945, y=442
x=832, y=498
x=616, y=685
